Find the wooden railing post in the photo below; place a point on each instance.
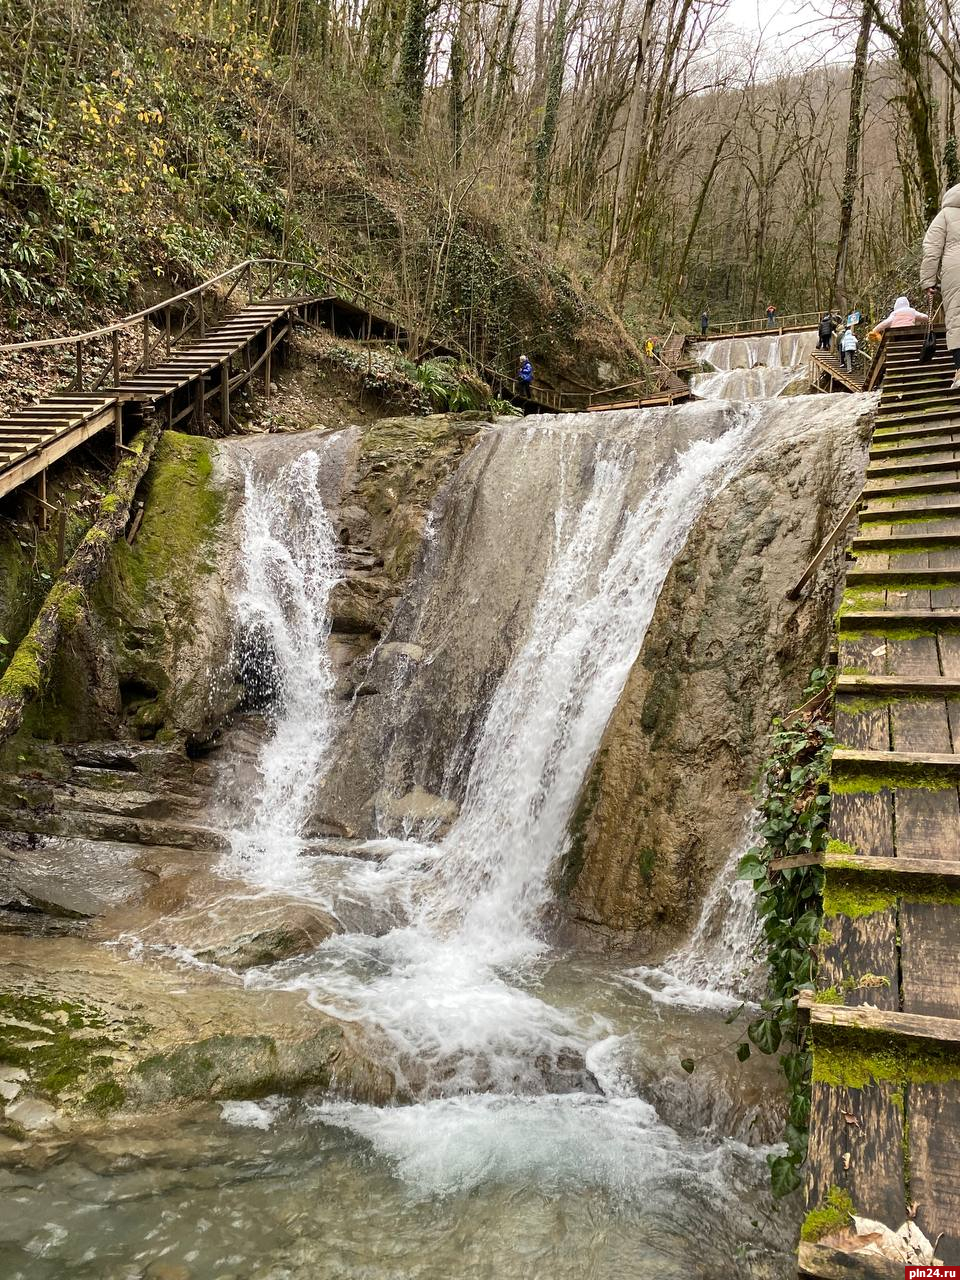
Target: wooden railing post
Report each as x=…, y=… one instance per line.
x=225, y=396
x=145, y=363
x=166, y=325
x=200, y=315
x=79, y=383
x=115, y=347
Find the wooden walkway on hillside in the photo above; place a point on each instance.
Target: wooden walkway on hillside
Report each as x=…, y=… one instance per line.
x=182, y=380
x=885, y=1021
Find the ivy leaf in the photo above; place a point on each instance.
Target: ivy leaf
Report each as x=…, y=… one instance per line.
x=750, y=868
x=732, y=1017
x=743, y=1051
x=784, y=1176
x=688, y=1065
x=765, y=1034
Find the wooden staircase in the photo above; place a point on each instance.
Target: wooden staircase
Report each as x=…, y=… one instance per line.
x=885, y=1020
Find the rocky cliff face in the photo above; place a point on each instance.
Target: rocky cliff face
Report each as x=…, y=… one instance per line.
x=725, y=651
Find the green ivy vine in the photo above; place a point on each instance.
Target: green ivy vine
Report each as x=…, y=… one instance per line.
x=795, y=810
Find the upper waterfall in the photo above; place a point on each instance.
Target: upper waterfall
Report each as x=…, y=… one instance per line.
x=753, y=368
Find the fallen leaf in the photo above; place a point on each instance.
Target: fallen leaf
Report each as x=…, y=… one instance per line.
x=851, y=1118
x=879, y=651
x=846, y=1160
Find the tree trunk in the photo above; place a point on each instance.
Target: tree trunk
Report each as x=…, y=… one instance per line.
x=26, y=674
x=548, y=130
x=851, y=168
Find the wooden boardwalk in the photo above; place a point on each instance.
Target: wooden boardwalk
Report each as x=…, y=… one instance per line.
x=885, y=1021
x=826, y=368
x=183, y=380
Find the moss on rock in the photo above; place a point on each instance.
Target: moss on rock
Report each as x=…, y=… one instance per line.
x=834, y=1213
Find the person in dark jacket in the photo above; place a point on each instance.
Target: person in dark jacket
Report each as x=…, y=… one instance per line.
x=704, y=322
x=771, y=316
x=825, y=331
x=525, y=375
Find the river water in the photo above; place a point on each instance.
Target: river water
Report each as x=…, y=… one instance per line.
x=544, y=1126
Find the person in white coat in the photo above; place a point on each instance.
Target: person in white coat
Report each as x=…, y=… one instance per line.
x=941, y=264
x=848, y=346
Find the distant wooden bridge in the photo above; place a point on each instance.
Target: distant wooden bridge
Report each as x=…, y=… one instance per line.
x=885, y=1019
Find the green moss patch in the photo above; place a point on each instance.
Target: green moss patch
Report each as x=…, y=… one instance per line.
x=834, y=1213
x=61, y=1044
x=857, y=1058
x=854, y=900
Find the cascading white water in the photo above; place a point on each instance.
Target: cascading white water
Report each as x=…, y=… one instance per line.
x=290, y=564
x=716, y=967
x=447, y=988
x=756, y=368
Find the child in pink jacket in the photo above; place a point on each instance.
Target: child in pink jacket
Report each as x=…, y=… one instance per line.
x=901, y=317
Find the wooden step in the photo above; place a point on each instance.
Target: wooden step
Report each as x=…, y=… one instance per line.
x=913, y=419
x=880, y=620
x=913, y=402
x=911, y=466
x=906, y=764
x=909, y=868
x=904, y=542
x=909, y=1026
x=909, y=686
x=919, y=447
x=904, y=514
x=912, y=486
x=882, y=433
x=919, y=579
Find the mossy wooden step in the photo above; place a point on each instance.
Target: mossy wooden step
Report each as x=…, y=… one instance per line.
x=904, y=515
x=914, y=485
x=880, y=451
x=883, y=434
x=938, y=412
x=880, y=620
x=892, y=578
x=896, y=768
x=915, y=870
x=859, y=1018
x=905, y=542
x=912, y=466
x=883, y=430
x=909, y=686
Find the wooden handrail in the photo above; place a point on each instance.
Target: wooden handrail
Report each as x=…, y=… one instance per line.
x=825, y=547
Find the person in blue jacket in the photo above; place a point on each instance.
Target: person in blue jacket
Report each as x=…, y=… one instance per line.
x=526, y=377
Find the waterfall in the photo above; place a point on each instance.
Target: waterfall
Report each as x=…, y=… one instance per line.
x=290, y=564
x=716, y=967
x=756, y=368
x=447, y=988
